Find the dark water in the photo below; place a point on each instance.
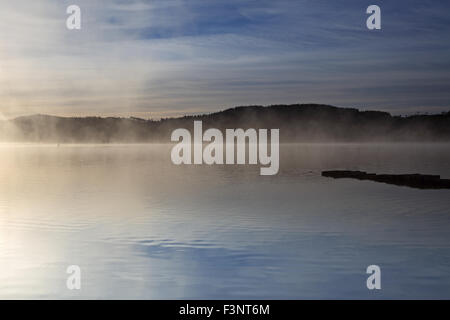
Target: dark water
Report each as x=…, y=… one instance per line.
x=140, y=227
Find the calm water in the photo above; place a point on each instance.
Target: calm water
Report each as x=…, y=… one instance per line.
x=141, y=227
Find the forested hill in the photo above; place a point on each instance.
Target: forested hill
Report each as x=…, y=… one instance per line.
x=297, y=123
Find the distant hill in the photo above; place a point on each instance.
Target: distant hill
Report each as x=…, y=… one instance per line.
x=297, y=123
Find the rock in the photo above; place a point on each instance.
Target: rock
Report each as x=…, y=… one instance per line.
x=419, y=181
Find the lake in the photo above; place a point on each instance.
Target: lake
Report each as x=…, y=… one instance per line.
x=140, y=227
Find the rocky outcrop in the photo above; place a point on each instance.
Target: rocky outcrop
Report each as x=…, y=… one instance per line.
x=420, y=181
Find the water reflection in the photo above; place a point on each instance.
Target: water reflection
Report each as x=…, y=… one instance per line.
x=140, y=227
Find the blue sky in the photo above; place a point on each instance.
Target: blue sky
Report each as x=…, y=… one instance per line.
x=173, y=57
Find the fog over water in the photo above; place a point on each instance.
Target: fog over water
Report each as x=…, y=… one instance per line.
x=141, y=227
x=296, y=122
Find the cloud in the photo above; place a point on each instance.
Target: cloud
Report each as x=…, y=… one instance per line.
x=176, y=56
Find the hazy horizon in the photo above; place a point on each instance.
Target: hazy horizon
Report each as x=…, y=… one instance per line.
x=188, y=114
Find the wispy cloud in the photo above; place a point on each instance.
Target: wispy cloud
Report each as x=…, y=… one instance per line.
x=170, y=57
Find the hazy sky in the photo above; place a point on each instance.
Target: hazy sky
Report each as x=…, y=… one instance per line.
x=171, y=57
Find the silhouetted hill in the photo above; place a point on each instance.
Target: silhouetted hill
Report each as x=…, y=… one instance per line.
x=297, y=123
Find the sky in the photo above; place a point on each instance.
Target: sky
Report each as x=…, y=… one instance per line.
x=165, y=58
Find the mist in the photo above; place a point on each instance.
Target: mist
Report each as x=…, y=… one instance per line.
x=297, y=123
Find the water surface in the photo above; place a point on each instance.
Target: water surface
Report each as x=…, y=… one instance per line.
x=142, y=228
